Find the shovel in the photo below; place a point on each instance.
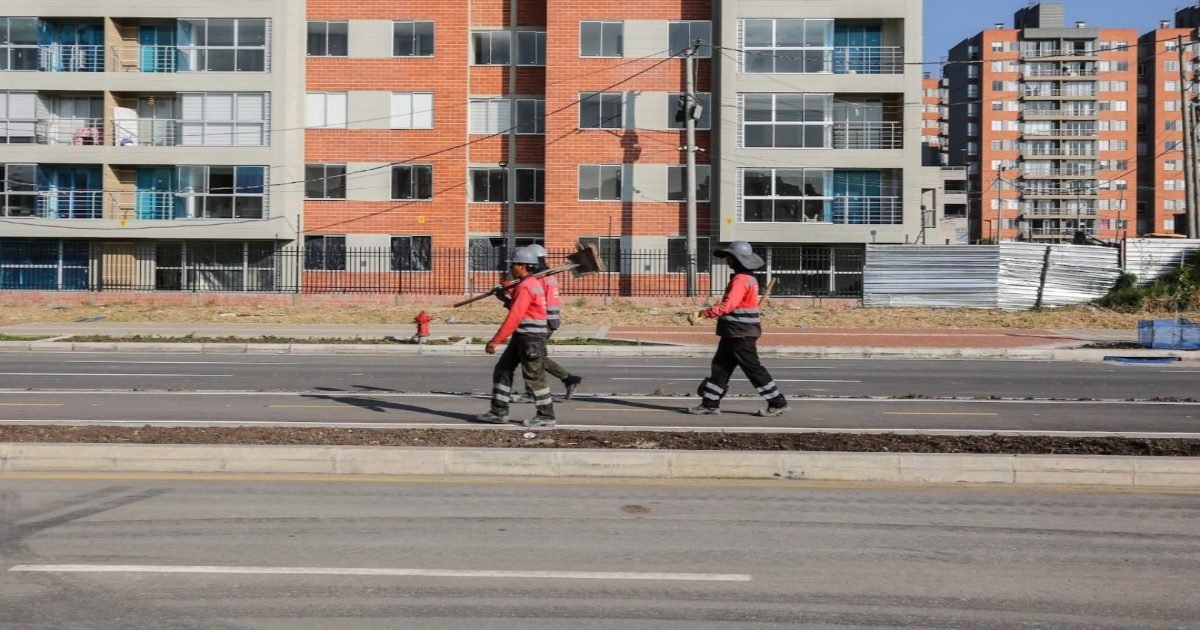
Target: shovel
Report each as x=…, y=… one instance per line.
x=582, y=262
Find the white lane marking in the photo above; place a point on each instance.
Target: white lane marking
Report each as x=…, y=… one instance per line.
x=188, y=362
x=443, y=573
x=105, y=374
x=736, y=380
x=699, y=366
x=1179, y=371
x=933, y=413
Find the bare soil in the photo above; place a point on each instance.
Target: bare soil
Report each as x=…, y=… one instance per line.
x=555, y=438
x=616, y=313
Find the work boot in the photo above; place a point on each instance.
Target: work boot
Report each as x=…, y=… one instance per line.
x=492, y=417
x=701, y=410
x=540, y=420
x=572, y=382
x=773, y=411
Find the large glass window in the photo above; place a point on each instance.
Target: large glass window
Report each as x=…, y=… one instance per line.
x=685, y=34
x=412, y=110
x=488, y=185
x=531, y=48
x=223, y=119
x=328, y=39
x=223, y=192
x=325, y=181
x=491, y=48
x=600, y=182
x=601, y=39
x=786, y=195
x=531, y=185
x=412, y=181
x=787, y=120
x=531, y=116
x=490, y=253
x=18, y=117
x=791, y=46
x=412, y=39
x=18, y=190
x=677, y=182
x=609, y=249
x=412, y=253
x=325, y=252
x=599, y=110
x=18, y=44
x=677, y=255
x=222, y=45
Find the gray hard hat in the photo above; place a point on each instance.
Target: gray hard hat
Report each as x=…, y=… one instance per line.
x=523, y=256
x=538, y=249
x=744, y=254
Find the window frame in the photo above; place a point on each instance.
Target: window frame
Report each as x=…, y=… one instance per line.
x=825, y=199
x=198, y=57
x=682, y=169
x=325, y=178
x=604, y=250
x=205, y=193
x=600, y=168
x=600, y=98
x=338, y=254
x=345, y=98
x=703, y=52
x=703, y=100
x=539, y=186
x=798, y=119
x=775, y=52
x=703, y=254
x=539, y=43
x=421, y=256
x=603, y=24
x=345, y=24
x=414, y=184
x=493, y=125
x=412, y=110
x=491, y=36
x=488, y=172
x=539, y=117
x=415, y=48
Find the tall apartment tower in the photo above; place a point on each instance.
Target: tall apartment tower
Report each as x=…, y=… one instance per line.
x=1162, y=205
x=1044, y=118
x=142, y=135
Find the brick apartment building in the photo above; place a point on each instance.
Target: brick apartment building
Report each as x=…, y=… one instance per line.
x=1044, y=117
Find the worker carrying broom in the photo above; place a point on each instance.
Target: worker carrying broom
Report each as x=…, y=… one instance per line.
x=554, y=318
x=527, y=326
x=739, y=324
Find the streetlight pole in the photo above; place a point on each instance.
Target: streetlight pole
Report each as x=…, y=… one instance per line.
x=689, y=125
x=510, y=171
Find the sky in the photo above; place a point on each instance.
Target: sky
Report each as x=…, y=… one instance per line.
x=948, y=22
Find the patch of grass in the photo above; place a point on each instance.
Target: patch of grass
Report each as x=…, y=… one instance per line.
x=21, y=338
x=1177, y=292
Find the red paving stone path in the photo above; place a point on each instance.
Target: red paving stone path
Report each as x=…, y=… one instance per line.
x=852, y=337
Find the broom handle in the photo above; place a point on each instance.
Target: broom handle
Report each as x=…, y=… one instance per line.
x=767, y=293
x=510, y=284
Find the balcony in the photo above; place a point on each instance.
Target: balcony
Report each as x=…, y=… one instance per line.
x=823, y=60
x=887, y=210
x=1068, y=54
x=158, y=205
x=1061, y=174
x=1047, y=233
x=1033, y=93
x=868, y=135
x=53, y=204
x=1057, y=153
x=67, y=131
x=52, y=58
x=1068, y=134
x=163, y=132
x=1056, y=213
x=1061, y=74
x=1060, y=193
x=868, y=60
x=144, y=58
x=1060, y=114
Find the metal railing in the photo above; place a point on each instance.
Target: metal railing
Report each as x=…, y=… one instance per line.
x=144, y=58
x=1060, y=133
x=1058, y=73
x=1062, y=213
x=868, y=135
x=159, y=132
x=1058, y=231
x=159, y=205
x=174, y=58
x=1026, y=54
x=1032, y=92
x=55, y=204
x=145, y=205
x=73, y=131
x=868, y=60
x=1030, y=112
x=1034, y=191
x=70, y=58
x=882, y=210
x=1057, y=152
x=1060, y=173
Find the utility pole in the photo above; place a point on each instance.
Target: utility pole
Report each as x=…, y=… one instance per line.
x=1189, y=139
x=999, y=204
x=510, y=174
x=689, y=124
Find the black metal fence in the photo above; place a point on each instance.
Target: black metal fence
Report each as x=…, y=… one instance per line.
x=234, y=266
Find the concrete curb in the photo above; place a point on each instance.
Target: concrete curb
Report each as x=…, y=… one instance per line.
x=794, y=352
x=1019, y=470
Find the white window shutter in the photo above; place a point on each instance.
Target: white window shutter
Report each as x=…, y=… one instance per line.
x=402, y=111
x=314, y=110
x=251, y=107
x=478, y=116
x=422, y=111
x=191, y=106
x=741, y=44
x=741, y=120
x=498, y=116
x=219, y=106
x=737, y=195
x=336, y=110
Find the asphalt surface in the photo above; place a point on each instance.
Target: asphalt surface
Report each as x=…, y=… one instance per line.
x=617, y=392
x=301, y=555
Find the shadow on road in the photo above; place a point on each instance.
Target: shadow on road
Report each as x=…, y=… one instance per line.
x=383, y=406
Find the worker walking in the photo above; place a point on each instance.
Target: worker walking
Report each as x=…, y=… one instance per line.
x=739, y=324
x=527, y=326
x=554, y=319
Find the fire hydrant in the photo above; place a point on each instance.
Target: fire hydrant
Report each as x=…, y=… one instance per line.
x=422, y=321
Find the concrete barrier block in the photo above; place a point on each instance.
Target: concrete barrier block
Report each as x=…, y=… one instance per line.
x=841, y=466
x=5, y=450
x=30, y=457
x=574, y=351
x=1073, y=470
x=436, y=350
x=500, y=462
x=723, y=465
x=588, y=463
x=279, y=459
x=13, y=346
x=1161, y=471
x=235, y=348
x=94, y=346
x=168, y=458
x=371, y=460
x=952, y=468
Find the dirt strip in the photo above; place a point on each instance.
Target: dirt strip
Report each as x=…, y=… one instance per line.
x=557, y=438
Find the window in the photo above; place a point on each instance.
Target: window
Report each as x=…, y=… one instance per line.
x=703, y=102
x=531, y=116
x=325, y=181
x=18, y=190
x=412, y=39
x=677, y=255
x=412, y=110
x=601, y=39
x=787, y=46
x=222, y=45
x=609, y=249
x=601, y=110
x=325, y=253
x=223, y=192
x=682, y=35
x=531, y=185
x=412, y=181
x=600, y=182
x=328, y=39
x=489, y=115
x=490, y=253
x=18, y=44
x=789, y=195
x=677, y=178
x=531, y=48
x=325, y=110
x=488, y=185
x=223, y=119
x=18, y=117
x=412, y=253
x=491, y=48
x=787, y=120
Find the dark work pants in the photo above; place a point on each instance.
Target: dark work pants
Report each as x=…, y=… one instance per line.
x=735, y=352
x=530, y=354
x=552, y=366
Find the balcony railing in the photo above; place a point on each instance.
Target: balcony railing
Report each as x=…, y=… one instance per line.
x=153, y=205
x=1029, y=92
x=1060, y=133
x=1056, y=152
x=1058, y=73
x=1059, y=113
x=73, y=131
x=868, y=60
x=159, y=132
x=59, y=58
x=145, y=58
x=190, y=59
x=1060, y=173
x=1057, y=232
x=868, y=135
x=1065, y=213
x=1060, y=192
x=55, y=204
x=1051, y=53
x=868, y=211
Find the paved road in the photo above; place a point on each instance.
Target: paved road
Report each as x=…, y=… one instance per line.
x=1008, y=379
x=408, y=554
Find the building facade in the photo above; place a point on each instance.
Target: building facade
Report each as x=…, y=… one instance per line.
x=1043, y=116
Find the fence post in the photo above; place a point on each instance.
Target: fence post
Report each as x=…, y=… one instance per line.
x=1042, y=283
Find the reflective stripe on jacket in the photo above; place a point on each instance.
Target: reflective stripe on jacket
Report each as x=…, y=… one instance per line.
x=527, y=314
x=737, y=315
x=553, y=310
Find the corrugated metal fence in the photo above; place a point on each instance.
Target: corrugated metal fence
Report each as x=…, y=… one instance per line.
x=1012, y=276
x=1150, y=258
